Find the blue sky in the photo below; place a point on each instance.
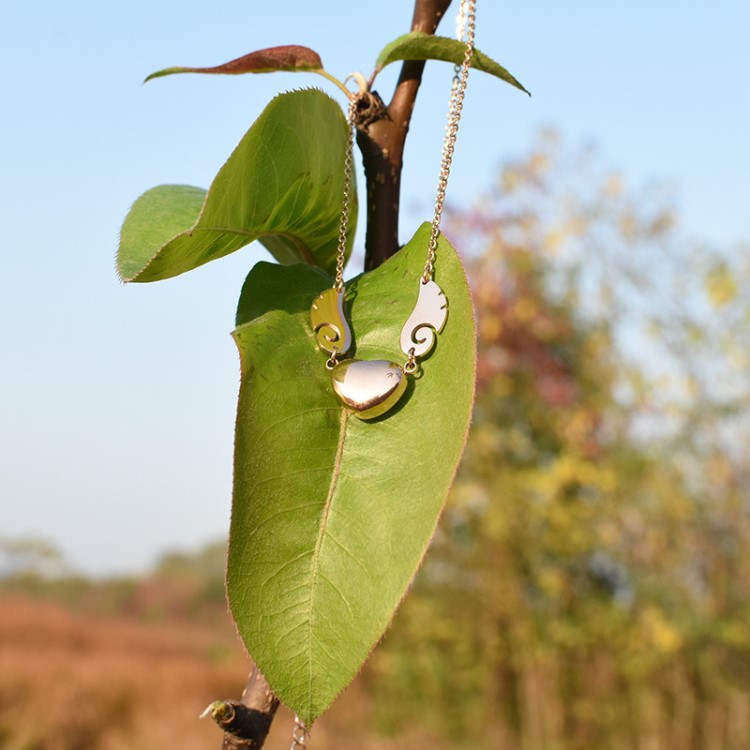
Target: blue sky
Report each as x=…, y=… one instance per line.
x=117, y=403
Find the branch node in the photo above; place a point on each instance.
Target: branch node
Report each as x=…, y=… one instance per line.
x=369, y=109
x=220, y=711
x=246, y=722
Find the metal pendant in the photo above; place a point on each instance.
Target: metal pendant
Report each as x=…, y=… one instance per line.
x=427, y=320
x=369, y=388
x=329, y=323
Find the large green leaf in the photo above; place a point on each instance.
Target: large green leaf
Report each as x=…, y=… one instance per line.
x=419, y=46
x=332, y=515
x=282, y=184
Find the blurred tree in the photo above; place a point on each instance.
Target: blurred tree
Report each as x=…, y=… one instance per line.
x=589, y=586
x=206, y=566
x=208, y=562
x=30, y=556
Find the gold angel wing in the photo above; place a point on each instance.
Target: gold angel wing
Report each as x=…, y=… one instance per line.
x=329, y=322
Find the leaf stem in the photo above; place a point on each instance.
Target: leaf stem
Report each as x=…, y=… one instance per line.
x=323, y=72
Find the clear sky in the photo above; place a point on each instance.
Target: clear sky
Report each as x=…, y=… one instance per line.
x=117, y=403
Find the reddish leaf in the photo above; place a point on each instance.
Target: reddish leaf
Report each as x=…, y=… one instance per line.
x=288, y=57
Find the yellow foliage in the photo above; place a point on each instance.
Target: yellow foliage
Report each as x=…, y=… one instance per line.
x=658, y=632
x=614, y=186
x=490, y=327
x=502, y=385
x=721, y=286
x=524, y=310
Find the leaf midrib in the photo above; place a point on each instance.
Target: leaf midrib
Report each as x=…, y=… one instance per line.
x=315, y=562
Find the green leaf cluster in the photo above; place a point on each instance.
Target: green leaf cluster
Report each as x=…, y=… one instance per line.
x=282, y=185
x=331, y=515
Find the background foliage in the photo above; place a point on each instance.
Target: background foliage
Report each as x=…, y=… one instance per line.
x=589, y=585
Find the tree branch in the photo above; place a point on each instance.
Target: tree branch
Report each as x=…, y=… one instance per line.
x=246, y=722
x=382, y=145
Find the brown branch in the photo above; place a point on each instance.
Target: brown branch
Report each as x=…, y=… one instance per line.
x=246, y=722
x=382, y=145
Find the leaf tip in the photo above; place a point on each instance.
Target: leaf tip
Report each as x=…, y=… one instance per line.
x=164, y=72
x=122, y=276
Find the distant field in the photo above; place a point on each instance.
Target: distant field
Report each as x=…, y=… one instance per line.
x=72, y=681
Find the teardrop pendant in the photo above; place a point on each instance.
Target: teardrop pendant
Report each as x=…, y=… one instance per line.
x=369, y=388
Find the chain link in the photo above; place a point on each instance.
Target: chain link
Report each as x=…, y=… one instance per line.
x=410, y=367
x=344, y=226
x=299, y=734
x=458, y=90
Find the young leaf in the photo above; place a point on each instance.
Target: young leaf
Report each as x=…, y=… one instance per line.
x=419, y=46
x=282, y=184
x=332, y=515
x=289, y=57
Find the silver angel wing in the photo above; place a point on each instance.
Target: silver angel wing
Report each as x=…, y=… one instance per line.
x=426, y=321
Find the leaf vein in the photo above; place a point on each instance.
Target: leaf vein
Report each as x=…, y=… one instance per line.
x=281, y=512
x=337, y=590
x=348, y=552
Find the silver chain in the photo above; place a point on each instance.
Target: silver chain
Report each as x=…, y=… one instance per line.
x=299, y=734
x=458, y=90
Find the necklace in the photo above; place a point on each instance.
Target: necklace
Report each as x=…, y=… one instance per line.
x=370, y=388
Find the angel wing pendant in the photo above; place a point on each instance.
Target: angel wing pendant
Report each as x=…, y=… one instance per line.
x=420, y=331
